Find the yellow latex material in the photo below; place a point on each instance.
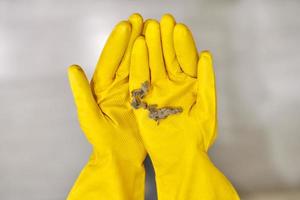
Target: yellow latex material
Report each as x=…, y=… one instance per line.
x=178, y=145
x=115, y=170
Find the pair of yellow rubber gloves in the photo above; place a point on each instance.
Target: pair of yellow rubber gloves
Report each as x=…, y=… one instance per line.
x=164, y=55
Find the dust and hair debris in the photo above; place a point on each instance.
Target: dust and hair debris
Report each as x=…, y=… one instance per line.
x=155, y=113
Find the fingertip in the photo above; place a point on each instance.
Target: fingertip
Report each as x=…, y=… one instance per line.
x=206, y=55
x=136, y=21
x=74, y=67
x=154, y=45
x=145, y=26
x=136, y=18
x=181, y=30
x=186, y=50
x=140, y=40
x=205, y=69
x=139, y=69
x=139, y=44
x=73, y=71
x=81, y=91
x=152, y=26
x=124, y=27
x=167, y=19
x=167, y=24
x=139, y=50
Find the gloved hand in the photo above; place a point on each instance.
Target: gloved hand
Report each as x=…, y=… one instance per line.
x=115, y=170
x=181, y=103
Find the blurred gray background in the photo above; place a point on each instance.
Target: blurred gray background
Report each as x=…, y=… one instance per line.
x=256, y=46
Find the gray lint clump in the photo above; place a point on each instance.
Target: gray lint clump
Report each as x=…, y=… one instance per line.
x=154, y=113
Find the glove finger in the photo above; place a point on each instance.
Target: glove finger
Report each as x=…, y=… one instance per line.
x=111, y=56
x=87, y=108
x=145, y=26
x=206, y=96
x=136, y=22
x=167, y=24
x=139, y=66
x=186, y=50
x=156, y=60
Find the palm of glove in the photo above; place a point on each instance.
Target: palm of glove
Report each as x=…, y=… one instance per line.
x=172, y=95
x=116, y=123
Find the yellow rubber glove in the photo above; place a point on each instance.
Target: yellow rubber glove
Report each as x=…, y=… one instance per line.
x=115, y=170
x=179, y=143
